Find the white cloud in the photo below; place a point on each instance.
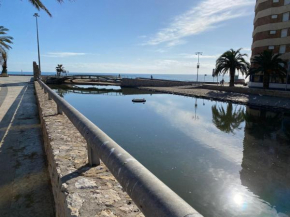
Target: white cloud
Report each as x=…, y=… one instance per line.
x=247, y=49
x=227, y=146
x=199, y=19
x=63, y=54
x=176, y=42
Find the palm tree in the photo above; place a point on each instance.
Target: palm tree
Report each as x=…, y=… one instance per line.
x=231, y=61
x=268, y=64
x=3, y=61
x=5, y=40
x=38, y=5
x=229, y=120
x=59, y=69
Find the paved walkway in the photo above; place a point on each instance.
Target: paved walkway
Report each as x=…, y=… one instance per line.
x=24, y=181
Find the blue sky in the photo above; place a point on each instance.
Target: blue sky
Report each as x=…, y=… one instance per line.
x=127, y=36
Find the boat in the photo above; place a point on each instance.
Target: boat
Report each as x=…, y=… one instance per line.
x=139, y=100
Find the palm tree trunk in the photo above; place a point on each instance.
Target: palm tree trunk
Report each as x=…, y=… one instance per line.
x=232, y=77
x=4, y=70
x=266, y=80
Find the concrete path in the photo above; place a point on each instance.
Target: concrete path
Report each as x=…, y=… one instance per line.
x=24, y=181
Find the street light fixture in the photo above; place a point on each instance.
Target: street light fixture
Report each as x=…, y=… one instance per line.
x=36, y=16
x=198, y=54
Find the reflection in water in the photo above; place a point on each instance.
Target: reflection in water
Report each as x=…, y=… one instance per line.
x=266, y=157
x=227, y=120
x=224, y=159
x=62, y=90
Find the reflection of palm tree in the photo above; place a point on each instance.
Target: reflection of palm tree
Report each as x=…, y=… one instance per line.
x=263, y=125
x=61, y=92
x=229, y=120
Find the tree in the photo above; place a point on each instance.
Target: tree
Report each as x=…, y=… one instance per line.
x=5, y=40
x=229, y=120
x=38, y=5
x=59, y=69
x=268, y=64
x=230, y=61
x=3, y=61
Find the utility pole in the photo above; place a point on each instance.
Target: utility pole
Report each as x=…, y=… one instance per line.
x=36, y=16
x=198, y=54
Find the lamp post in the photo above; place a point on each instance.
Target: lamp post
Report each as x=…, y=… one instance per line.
x=198, y=54
x=204, y=77
x=36, y=15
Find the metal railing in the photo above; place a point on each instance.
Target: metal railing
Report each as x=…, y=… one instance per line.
x=151, y=195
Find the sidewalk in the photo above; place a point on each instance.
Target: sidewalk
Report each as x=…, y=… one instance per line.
x=24, y=181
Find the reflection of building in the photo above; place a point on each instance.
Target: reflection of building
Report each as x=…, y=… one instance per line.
x=266, y=157
x=271, y=32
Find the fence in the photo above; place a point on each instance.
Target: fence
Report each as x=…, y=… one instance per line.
x=151, y=195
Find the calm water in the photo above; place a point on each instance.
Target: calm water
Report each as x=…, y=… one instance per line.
x=224, y=159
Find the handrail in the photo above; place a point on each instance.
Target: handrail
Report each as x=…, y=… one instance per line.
x=151, y=195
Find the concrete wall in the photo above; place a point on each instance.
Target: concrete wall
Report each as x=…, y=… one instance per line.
x=78, y=190
x=126, y=82
x=246, y=90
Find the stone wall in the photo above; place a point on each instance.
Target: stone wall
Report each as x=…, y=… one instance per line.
x=126, y=82
x=246, y=90
x=78, y=189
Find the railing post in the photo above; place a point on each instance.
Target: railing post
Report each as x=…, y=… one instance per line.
x=49, y=97
x=93, y=158
x=59, y=110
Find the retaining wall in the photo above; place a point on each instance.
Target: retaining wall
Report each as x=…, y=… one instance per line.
x=126, y=82
x=78, y=189
x=247, y=90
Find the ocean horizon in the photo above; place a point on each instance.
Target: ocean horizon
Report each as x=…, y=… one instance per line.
x=175, y=77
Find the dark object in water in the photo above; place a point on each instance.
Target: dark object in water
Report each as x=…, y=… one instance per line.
x=139, y=100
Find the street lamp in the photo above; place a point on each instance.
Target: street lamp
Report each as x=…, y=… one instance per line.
x=36, y=15
x=198, y=54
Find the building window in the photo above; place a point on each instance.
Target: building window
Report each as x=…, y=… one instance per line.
x=275, y=1
x=284, y=33
x=271, y=47
x=273, y=32
x=285, y=17
x=286, y=2
x=275, y=16
x=282, y=49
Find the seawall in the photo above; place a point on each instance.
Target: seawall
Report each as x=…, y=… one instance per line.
x=126, y=82
x=246, y=90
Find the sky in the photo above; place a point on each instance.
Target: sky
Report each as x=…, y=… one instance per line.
x=127, y=36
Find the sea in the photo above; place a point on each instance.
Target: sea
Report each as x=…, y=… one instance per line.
x=175, y=77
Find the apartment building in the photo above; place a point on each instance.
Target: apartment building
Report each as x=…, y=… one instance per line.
x=271, y=32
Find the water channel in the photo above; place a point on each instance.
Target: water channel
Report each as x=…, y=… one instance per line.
x=224, y=159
